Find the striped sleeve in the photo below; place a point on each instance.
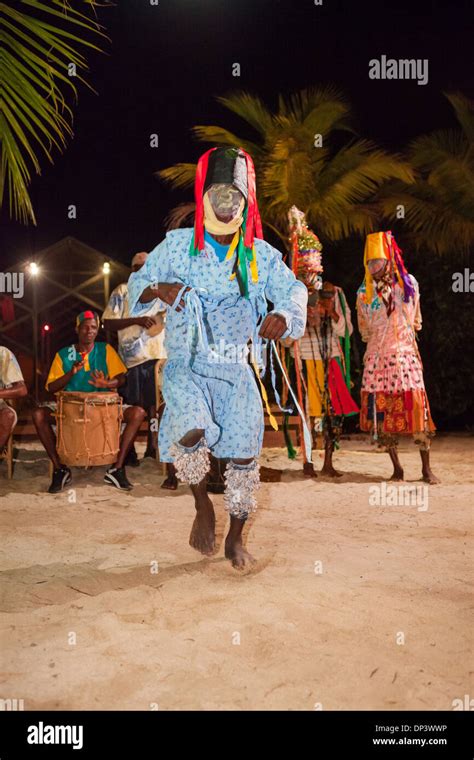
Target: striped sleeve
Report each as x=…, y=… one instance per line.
x=115, y=365
x=56, y=371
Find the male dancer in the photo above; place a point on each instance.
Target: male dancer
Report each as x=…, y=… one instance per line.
x=216, y=280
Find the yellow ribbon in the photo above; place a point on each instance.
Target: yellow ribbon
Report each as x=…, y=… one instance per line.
x=253, y=266
x=232, y=247
x=263, y=391
x=253, y=263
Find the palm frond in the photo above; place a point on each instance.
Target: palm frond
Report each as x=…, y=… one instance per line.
x=464, y=109
x=218, y=136
x=358, y=168
x=180, y=216
x=251, y=109
x=288, y=173
x=179, y=175
x=355, y=188
x=321, y=110
x=439, y=206
x=358, y=219
x=428, y=151
x=34, y=76
x=434, y=226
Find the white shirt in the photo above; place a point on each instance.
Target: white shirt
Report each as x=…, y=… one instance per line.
x=309, y=344
x=137, y=344
x=10, y=371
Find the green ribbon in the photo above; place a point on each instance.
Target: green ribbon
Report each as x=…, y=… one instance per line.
x=346, y=342
x=286, y=432
x=244, y=255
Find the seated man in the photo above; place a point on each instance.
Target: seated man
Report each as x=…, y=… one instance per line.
x=12, y=386
x=87, y=366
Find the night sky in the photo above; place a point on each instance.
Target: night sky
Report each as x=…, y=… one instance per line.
x=165, y=65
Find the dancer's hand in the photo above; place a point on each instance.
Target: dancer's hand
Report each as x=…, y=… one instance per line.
x=168, y=292
x=273, y=327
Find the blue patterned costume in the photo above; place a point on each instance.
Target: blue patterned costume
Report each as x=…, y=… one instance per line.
x=208, y=382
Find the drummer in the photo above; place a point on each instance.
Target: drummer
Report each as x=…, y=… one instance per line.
x=87, y=366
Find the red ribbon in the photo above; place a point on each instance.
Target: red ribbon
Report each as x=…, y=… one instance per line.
x=201, y=172
x=254, y=223
x=295, y=253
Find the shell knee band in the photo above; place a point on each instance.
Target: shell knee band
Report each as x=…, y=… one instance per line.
x=191, y=462
x=242, y=481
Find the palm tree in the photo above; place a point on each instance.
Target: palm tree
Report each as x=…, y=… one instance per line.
x=333, y=178
x=39, y=60
x=439, y=206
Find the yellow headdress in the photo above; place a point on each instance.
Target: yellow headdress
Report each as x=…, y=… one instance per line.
x=376, y=247
x=382, y=245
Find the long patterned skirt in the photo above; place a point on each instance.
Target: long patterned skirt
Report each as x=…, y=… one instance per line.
x=394, y=400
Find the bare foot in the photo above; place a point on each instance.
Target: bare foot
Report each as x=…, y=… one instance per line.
x=170, y=482
x=430, y=477
x=331, y=472
x=239, y=557
x=309, y=471
x=202, y=536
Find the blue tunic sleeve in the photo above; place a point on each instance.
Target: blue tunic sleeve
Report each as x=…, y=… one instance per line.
x=156, y=269
x=289, y=295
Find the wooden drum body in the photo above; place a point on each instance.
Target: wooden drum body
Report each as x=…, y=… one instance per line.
x=88, y=428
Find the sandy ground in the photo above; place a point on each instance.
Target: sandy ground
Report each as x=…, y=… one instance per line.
x=350, y=606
